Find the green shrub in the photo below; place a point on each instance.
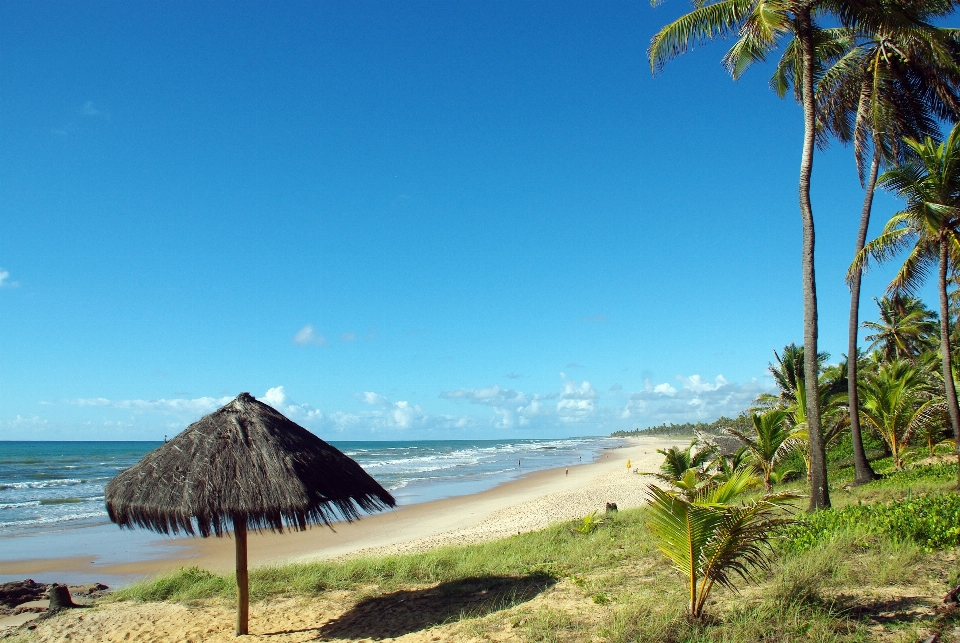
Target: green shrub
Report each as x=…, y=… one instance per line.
x=938, y=472
x=932, y=521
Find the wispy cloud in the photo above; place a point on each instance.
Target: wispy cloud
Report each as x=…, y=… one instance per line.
x=348, y=338
x=513, y=376
x=574, y=365
x=388, y=416
x=5, y=281
x=696, y=399
x=574, y=403
x=89, y=109
x=194, y=405
x=579, y=404
x=278, y=399
x=307, y=336
x=594, y=319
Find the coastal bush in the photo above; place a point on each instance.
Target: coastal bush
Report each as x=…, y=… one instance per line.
x=944, y=471
x=930, y=520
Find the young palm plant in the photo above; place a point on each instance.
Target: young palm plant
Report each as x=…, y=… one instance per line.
x=929, y=228
x=772, y=440
x=711, y=541
x=685, y=468
x=897, y=402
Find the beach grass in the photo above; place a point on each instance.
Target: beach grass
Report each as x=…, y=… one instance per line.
x=853, y=582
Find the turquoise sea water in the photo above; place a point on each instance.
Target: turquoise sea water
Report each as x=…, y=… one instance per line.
x=52, y=485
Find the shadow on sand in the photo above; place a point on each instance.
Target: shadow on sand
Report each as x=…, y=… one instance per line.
x=406, y=611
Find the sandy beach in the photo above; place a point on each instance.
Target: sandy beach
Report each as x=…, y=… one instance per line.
x=532, y=502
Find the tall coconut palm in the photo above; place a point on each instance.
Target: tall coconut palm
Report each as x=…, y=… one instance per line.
x=761, y=27
x=906, y=328
x=929, y=228
x=896, y=76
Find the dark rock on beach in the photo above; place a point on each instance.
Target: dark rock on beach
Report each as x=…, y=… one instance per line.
x=21, y=591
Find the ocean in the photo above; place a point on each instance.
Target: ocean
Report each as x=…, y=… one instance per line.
x=49, y=487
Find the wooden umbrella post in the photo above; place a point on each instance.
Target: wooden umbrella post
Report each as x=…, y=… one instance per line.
x=243, y=596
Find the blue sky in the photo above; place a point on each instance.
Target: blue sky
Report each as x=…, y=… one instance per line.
x=396, y=220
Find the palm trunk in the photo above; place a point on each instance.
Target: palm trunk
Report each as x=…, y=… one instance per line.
x=819, y=494
x=693, y=572
x=864, y=473
x=948, y=387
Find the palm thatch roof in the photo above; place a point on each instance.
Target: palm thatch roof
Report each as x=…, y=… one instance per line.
x=243, y=462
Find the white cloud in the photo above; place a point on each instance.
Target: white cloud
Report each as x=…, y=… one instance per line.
x=697, y=400
x=5, y=279
x=307, y=336
x=89, y=109
x=278, y=399
x=347, y=338
x=388, y=417
x=576, y=402
x=275, y=397
x=373, y=399
x=196, y=405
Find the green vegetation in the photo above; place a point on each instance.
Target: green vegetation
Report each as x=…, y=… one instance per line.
x=828, y=576
x=931, y=521
x=687, y=429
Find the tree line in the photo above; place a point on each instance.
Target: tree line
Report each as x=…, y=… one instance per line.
x=882, y=76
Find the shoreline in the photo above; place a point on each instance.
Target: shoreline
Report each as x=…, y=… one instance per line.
x=530, y=502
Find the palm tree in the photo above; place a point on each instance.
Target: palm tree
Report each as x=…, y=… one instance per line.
x=760, y=26
x=929, y=227
x=896, y=404
x=711, y=541
x=905, y=330
x=890, y=78
x=792, y=398
x=772, y=440
x=677, y=461
x=788, y=374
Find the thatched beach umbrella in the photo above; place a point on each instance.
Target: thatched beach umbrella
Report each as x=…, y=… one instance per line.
x=244, y=465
